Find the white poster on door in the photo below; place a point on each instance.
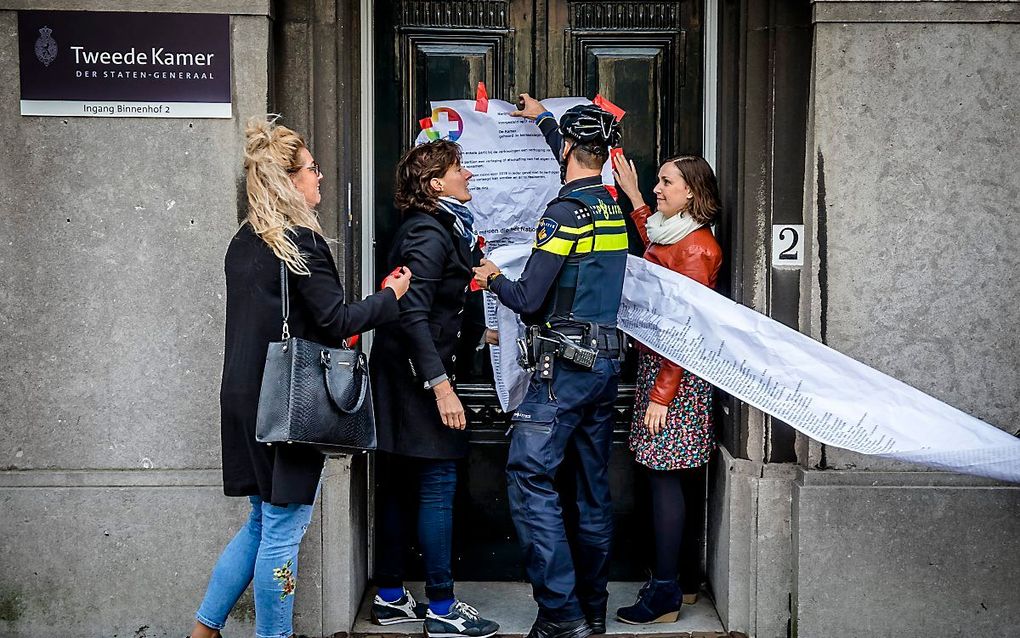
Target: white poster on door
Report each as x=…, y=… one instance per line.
x=515, y=173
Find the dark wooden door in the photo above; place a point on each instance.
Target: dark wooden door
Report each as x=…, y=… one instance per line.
x=644, y=57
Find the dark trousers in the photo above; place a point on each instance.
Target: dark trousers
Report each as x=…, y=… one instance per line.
x=405, y=484
x=574, y=411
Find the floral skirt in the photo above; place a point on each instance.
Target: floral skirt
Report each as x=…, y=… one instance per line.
x=689, y=436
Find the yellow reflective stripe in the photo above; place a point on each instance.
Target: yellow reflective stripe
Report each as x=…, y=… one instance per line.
x=573, y=238
x=609, y=223
x=574, y=231
x=556, y=246
x=584, y=245
x=611, y=242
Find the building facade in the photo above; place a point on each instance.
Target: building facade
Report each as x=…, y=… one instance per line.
x=885, y=128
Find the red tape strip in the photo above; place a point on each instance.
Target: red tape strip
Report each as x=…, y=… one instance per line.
x=606, y=105
x=481, y=98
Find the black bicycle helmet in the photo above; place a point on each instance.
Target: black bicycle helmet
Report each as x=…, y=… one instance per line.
x=590, y=125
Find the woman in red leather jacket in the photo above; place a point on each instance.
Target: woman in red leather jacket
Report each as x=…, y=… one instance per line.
x=672, y=427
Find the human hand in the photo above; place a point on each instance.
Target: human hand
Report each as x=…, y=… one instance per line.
x=399, y=281
x=626, y=176
x=482, y=272
x=451, y=411
x=655, y=417
x=491, y=337
x=532, y=108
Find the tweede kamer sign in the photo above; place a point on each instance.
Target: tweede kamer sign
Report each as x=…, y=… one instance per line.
x=118, y=64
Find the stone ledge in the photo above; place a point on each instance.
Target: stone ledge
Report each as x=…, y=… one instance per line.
x=951, y=12
x=232, y=7
x=610, y=634
x=862, y=539
x=844, y=478
x=111, y=478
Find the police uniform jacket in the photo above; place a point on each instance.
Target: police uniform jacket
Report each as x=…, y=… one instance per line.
x=561, y=235
x=279, y=474
x=421, y=346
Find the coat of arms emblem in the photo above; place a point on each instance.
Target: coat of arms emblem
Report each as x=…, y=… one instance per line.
x=46, y=46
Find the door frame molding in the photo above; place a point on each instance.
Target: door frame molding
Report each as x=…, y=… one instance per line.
x=367, y=176
x=710, y=82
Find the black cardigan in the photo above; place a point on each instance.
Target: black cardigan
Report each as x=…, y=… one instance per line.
x=422, y=345
x=280, y=474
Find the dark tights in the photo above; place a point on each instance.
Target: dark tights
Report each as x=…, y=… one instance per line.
x=668, y=511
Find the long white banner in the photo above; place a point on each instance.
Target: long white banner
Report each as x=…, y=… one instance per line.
x=825, y=394
x=817, y=390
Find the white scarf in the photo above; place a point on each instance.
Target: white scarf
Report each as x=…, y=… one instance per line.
x=663, y=230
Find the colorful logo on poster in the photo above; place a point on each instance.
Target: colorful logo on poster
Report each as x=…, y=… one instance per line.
x=447, y=123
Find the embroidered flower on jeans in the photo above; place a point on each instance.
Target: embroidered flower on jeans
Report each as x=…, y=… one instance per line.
x=285, y=576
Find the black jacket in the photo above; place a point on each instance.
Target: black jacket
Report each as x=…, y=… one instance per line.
x=422, y=345
x=280, y=474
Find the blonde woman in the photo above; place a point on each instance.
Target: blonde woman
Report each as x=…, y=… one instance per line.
x=281, y=482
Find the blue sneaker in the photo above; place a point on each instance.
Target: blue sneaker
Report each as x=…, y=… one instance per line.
x=405, y=609
x=463, y=621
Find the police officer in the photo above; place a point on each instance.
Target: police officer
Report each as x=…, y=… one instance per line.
x=568, y=296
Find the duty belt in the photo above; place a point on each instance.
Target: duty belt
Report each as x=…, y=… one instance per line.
x=607, y=339
x=541, y=347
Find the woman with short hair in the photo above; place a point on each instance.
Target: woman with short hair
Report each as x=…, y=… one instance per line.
x=421, y=420
x=672, y=428
x=280, y=481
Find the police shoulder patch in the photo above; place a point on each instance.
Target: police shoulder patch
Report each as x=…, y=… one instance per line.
x=547, y=227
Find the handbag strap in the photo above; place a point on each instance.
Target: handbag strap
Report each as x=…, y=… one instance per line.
x=284, y=300
x=359, y=367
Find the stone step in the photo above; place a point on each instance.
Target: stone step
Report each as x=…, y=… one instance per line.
x=511, y=605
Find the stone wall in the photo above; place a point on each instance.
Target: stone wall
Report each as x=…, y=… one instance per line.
x=112, y=313
x=912, y=206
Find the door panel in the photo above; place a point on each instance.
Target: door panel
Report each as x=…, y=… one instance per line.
x=628, y=75
x=445, y=70
x=638, y=55
x=428, y=50
x=644, y=57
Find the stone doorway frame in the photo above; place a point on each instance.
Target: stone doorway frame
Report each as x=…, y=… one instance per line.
x=320, y=58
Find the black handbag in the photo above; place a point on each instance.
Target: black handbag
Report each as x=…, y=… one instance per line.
x=314, y=395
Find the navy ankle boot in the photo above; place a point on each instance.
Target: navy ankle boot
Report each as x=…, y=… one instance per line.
x=658, y=601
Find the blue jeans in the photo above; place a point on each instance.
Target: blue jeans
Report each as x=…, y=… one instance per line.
x=264, y=550
x=433, y=482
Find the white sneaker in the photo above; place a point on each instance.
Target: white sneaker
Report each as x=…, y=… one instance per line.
x=406, y=609
x=463, y=621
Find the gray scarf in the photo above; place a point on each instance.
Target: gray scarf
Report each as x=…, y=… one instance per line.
x=463, y=220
